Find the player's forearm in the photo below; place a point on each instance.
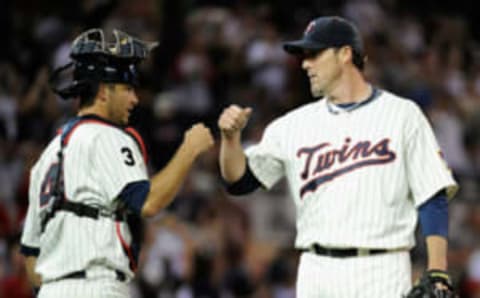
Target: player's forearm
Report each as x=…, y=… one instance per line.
x=232, y=158
x=165, y=185
x=34, y=278
x=437, y=252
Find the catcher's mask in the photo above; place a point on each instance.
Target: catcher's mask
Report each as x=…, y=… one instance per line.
x=96, y=60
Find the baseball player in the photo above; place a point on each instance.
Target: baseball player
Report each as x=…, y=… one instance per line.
x=361, y=164
x=89, y=188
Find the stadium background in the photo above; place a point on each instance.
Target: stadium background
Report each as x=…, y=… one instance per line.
x=214, y=53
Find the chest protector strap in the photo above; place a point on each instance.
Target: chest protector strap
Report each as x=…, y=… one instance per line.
x=58, y=192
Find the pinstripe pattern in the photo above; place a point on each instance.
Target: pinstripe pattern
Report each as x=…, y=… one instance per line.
x=359, y=205
x=96, y=288
x=378, y=276
x=356, y=179
x=95, y=171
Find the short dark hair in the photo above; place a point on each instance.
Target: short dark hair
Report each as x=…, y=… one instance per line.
x=88, y=92
x=358, y=59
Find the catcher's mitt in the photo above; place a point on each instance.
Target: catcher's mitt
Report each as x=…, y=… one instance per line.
x=426, y=286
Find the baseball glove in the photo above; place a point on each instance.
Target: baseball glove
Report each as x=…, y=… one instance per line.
x=426, y=286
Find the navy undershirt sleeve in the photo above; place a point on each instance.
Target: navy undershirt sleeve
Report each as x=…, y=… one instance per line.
x=433, y=216
x=245, y=185
x=134, y=195
x=29, y=251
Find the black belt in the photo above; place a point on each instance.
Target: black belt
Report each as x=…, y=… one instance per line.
x=83, y=274
x=342, y=252
x=80, y=209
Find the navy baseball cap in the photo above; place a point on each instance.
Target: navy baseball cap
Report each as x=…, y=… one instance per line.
x=326, y=32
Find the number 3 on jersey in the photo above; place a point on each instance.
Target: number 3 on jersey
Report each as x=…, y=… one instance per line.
x=127, y=152
x=48, y=184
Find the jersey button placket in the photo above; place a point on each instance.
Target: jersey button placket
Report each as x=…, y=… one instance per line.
x=345, y=120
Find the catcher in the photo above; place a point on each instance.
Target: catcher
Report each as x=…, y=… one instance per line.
x=90, y=189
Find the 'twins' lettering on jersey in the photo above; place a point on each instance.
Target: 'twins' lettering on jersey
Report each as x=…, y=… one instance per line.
x=356, y=176
x=322, y=157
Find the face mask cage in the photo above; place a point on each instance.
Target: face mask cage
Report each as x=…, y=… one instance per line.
x=97, y=60
x=93, y=42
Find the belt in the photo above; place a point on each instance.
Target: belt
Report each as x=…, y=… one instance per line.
x=82, y=274
x=342, y=252
x=84, y=210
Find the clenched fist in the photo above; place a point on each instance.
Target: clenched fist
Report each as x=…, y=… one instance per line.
x=233, y=119
x=198, y=138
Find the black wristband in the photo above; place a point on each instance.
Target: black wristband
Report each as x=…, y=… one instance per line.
x=245, y=185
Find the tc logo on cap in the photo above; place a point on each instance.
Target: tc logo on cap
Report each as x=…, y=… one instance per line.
x=309, y=27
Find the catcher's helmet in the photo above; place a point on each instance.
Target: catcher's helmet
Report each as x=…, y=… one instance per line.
x=96, y=60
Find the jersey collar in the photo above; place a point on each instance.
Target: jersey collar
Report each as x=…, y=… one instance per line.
x=67, y=129
x=98, y=118
x=338, y=109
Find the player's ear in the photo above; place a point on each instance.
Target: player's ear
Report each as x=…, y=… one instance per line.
x=345, y=54
x=103, y=92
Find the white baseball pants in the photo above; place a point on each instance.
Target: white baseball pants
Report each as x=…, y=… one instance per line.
x=85, y=288
x=386, y=275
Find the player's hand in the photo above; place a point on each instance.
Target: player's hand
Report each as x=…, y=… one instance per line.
x=198, y=139
x=233, y=119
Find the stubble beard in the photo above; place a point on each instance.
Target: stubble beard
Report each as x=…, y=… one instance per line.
x=326, y=86
x=317, y=92
x=123, y=119
x=117, y=117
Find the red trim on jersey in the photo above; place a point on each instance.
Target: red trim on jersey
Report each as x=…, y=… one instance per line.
x=129, y=130
x=126, y=248
x=138, y=138
x=67, y=137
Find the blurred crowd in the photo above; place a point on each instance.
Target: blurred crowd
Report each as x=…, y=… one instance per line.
x=212, y=54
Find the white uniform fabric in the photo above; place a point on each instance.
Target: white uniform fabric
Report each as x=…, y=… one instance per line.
x=383, y=276
x=99, y=161
x=85, y=288
x=357, y=176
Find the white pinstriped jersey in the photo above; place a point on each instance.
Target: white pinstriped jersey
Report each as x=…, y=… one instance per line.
x=356, y=176
x=99, y=161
